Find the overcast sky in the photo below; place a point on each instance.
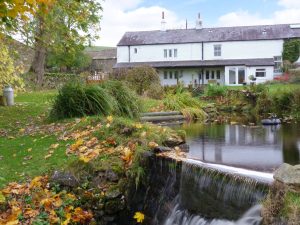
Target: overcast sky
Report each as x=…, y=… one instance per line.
x=120, y=16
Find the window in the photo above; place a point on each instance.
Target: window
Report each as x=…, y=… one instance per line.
x=165, y=75
x=176, y=75
x=241, y=75
x=278, y=64
x=170, y=53
x=171, y=75
x=260, y=73
x=135, y=51
x=232, y=76
x=212, y=75
x=218, y=74
x=217, y=50
x=207, y=75
x=175, y=53
x=165, y=53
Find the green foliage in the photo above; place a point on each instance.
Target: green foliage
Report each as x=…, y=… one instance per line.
x=141, y=78
x=127, y=102
x=8, y=71
x=291, y=50
x=77, y=100
x=282, y=101
x=185, y=103
x=213, y=90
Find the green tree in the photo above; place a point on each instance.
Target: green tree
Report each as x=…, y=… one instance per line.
x=141, y=78
x=8, y=71
x=291, y=50
x=67, y=26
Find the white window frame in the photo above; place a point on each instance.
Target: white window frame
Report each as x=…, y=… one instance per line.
x=261, y=70
x=175, y=53
x=278, y=61
x=218, y=50
x=165, y=53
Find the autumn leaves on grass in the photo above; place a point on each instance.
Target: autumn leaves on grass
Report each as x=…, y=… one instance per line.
x=35, y=202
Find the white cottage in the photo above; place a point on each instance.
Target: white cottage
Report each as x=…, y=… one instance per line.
x=225, y=55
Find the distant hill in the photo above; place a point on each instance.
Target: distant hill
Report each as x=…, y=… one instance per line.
x=97, y=48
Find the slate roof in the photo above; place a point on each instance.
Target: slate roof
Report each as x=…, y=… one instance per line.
x=220, y=34
x=198, y=63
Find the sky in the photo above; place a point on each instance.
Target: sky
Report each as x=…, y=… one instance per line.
x=120, y=16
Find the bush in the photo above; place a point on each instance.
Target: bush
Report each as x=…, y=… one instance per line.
x=213, y=90
x=155, y=91
x=78, y=100
x=291, y=50
x=127, y=102
x=282, y=101
x=141, y=78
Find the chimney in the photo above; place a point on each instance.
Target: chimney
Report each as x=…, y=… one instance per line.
x=163, y=22
x=199, y=22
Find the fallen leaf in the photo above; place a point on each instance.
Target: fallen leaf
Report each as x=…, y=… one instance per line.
x=139, y=217
x=29, y=150
x=152, y=144
x=109, y=119
x=48, y=156
x=54, y=146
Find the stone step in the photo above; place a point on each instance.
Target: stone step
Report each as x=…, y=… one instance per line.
x=173, y=113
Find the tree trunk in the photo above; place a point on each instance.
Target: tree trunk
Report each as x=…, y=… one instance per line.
x=38, y=64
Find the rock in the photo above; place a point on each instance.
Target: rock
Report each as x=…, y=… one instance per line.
x=127, y=131
x=113, y=194
x=184, y=147
x=173, y=141
x=161, y=149
x=289, y=176
x=114, y=206
x=105, y=176
x=64, y=179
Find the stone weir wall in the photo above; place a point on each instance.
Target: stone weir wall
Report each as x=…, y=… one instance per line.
x=201, y=191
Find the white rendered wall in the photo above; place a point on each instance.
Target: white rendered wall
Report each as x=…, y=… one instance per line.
x=155, y=53
x=190, y=76
x=250, y=71
x=244, y=49
x=123, y=54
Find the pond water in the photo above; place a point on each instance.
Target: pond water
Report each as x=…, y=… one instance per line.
x=258, y=148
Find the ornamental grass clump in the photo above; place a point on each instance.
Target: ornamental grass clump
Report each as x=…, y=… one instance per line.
x=127, y=102
x=110, y=98
x=185, y=103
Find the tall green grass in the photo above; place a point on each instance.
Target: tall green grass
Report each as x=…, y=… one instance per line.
x=185, y=103
x=78, y=100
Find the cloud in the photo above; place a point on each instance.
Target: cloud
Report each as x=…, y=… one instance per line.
x=129, y=15
x=290, y=13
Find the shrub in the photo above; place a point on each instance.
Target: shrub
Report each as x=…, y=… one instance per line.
x=127, y=102
x=8, y=71
x=291, y=50
x=141, y=78
x=213, y=90
x=263, y=104
x=282, y=101
x=155, y=91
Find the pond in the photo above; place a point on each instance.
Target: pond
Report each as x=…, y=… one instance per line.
x=262, y=148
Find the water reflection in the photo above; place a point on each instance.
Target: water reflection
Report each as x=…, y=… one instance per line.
x=260, y=148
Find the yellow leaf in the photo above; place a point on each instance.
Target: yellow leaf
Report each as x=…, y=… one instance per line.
x=138, y=125
x=48, y=156
x=152, y=144
x=139, y=217
x=108, y=125
x=22, y=130
x=109, y=119
x=54, y=146
x=127, y=155
x=29, y=150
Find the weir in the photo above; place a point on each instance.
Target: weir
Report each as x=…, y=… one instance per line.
x=192, y=193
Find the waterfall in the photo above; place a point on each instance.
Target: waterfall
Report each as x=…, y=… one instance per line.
x=183, y=217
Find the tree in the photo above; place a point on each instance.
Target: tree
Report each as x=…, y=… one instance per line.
x=291, y=50
x=141, y=78
x=63, y=31
x=8, y=71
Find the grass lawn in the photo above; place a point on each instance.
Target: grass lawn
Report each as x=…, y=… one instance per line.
x=23, y=155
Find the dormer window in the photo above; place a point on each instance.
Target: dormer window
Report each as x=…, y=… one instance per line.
x=217, y=50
